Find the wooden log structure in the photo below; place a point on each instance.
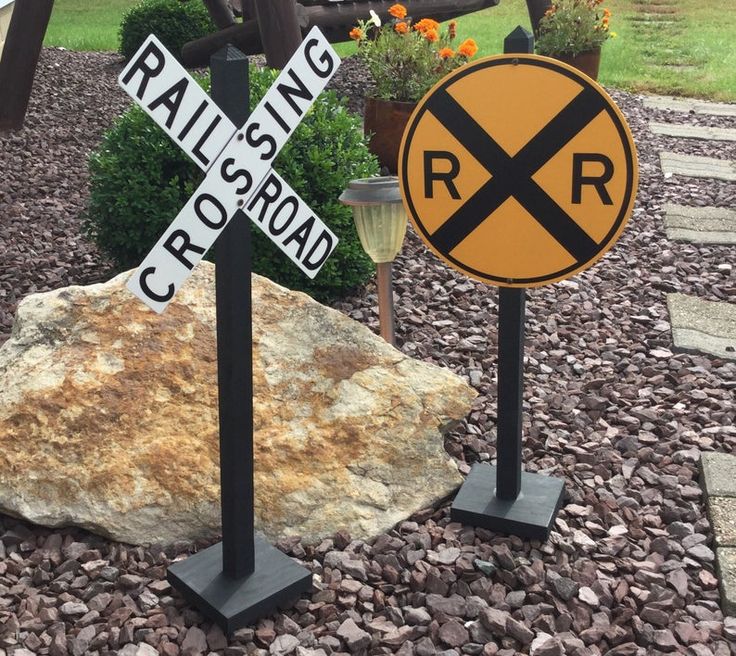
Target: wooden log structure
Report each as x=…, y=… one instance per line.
x=278, y=25
x=536, y=10
x=221, y=14
x=19, y=59
x=335, y=19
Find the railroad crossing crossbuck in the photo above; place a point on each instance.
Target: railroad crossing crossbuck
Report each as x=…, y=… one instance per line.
x=237, y=162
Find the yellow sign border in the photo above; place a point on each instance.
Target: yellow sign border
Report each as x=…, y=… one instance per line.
x=621, y=125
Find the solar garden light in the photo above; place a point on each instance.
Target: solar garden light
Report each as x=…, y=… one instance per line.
x=381, y=224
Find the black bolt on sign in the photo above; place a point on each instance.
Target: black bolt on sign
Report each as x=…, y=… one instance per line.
x=519, y=171
x=243, y=577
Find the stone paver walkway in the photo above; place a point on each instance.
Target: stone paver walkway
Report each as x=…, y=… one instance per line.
x=697, y=167
x=700, y=225
x=690, y=105
x=718, y=477
x=703, y=326
x=693, y=131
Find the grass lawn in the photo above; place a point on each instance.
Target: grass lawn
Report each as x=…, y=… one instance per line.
x=86, y=24
x=691, y=54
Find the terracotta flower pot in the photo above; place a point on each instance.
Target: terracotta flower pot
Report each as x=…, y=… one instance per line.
x=588, y=62
x=385, y=121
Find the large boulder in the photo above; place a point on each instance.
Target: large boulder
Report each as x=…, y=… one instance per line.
x=108, y=417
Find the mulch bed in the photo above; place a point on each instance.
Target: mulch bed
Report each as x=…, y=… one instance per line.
x=608, y=406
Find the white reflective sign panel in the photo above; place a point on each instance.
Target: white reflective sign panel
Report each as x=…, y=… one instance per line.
x=239, y=177
x=174, y=100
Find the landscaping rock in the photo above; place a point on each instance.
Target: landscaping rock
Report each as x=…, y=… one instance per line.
x=91, y=361
x=195, y=642
x=565, y=587
x=284, y=645
x=355, y=638
x=518, y=630
x=453, y=633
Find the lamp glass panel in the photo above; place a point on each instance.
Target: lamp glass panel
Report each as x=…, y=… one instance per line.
x=381, y=229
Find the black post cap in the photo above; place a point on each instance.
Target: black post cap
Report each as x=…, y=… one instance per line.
x=519, y=41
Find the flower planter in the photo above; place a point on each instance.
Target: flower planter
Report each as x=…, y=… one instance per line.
x=385, y=121
x=588, y=62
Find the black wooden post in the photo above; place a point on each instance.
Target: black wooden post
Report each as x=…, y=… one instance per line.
x=242, y=578
x=20, y=58
x=511, y=305
x=519, y=41
x=505, y=498
x=230, y=91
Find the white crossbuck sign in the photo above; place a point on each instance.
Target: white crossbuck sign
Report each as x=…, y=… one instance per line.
x=237, y=162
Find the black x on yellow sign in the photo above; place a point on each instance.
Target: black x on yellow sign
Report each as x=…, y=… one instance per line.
x=517, y=170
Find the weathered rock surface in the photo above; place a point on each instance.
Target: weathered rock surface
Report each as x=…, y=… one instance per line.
x=108, y=417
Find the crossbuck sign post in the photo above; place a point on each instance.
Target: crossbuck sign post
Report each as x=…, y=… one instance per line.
x=243, y=577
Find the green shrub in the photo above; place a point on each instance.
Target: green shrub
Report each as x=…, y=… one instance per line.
x=174, y=22
x=140, y=179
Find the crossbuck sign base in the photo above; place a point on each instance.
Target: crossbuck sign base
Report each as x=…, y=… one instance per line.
x=233, y=603
x=243, y=577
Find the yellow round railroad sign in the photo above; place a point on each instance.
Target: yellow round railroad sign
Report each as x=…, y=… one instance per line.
x=518, y=170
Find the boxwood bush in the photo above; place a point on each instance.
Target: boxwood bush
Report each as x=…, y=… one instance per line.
x=174, y=22
x=140, y=179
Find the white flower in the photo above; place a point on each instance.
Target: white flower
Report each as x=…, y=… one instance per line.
x=375, y=18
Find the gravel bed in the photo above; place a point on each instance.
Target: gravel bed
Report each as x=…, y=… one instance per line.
x=629, y=569
x=44, y=177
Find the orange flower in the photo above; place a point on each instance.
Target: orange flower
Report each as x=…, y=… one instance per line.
x=432, y=36
x=468, y=48
x=356, y=33
x=397, y=11
x=426, y=24
x=401, y=28
x=607, y=13
x=446, y=53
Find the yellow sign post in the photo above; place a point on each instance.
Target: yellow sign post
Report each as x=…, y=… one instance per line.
x=518, y=171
